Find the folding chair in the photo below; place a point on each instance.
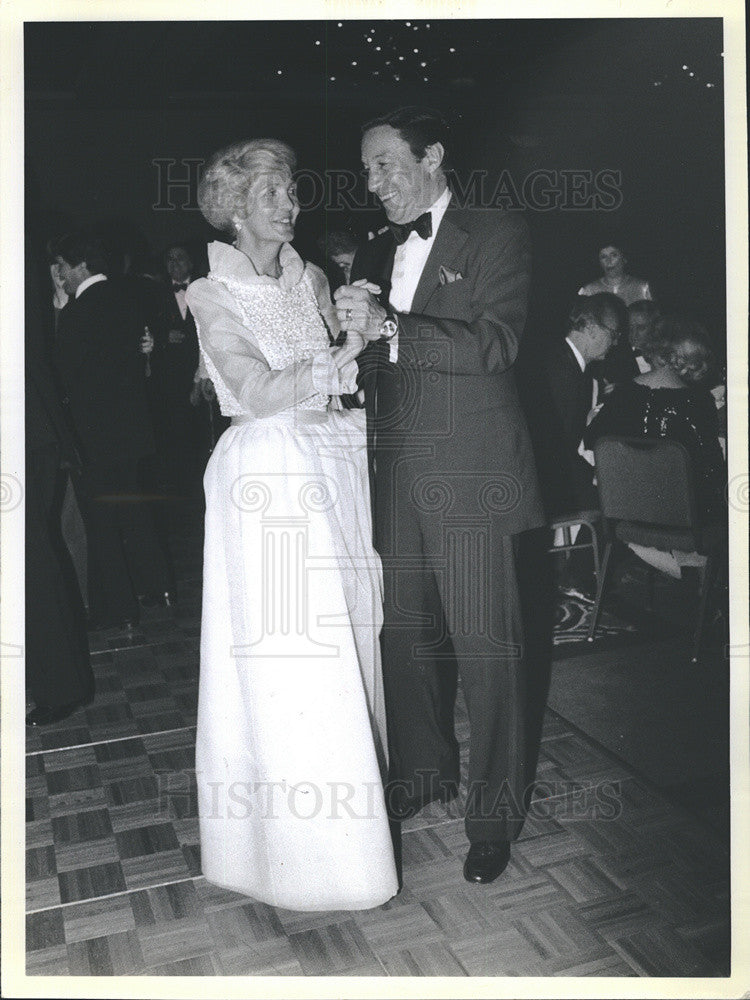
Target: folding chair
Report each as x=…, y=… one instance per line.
x=647, y=496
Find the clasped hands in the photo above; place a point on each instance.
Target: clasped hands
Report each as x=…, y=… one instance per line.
x=360, y=314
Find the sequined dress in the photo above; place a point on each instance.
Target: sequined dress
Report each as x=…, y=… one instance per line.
x=290, y=751
x=685, y=415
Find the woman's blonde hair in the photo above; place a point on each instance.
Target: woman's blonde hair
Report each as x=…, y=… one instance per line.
x=231, y=172
x=683, y=344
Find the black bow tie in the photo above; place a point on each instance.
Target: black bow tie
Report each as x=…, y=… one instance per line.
x=421, y=226
x=179, y=286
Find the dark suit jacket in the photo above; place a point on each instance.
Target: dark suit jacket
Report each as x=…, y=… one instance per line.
x=452, y=394
x=557, y=399
x=173, y=365
x=102, y=373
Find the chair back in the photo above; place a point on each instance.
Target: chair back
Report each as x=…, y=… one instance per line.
x=648, y=480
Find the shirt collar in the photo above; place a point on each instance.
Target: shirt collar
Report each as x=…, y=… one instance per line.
x=579, y=356
x=88, y=282
x=438, y=208
x=226, y=261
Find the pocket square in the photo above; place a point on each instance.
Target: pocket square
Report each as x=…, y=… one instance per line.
x=447, y=277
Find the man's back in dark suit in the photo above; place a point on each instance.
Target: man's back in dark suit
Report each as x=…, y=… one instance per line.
x=557, y=397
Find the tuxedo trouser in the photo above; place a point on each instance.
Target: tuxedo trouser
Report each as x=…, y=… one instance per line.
x=453, y=609
x=125, y=558
x=58, y=668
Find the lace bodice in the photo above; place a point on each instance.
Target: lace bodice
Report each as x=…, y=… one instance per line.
x=288, y=327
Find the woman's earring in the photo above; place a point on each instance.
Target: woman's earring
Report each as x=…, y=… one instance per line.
x=237, y=226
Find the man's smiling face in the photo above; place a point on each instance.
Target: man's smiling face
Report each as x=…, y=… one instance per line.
x=406, y=186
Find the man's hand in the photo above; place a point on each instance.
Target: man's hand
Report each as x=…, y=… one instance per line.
x=146, y=342
x=202, y=389
x=358, y=309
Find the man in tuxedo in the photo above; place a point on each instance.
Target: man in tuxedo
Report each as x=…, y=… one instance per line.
x=173, y=364
x=58, y=666
x=101, y=370
x=454, y=483
x=558, y=394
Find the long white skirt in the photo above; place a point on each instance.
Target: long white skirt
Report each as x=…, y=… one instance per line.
x=290, y=752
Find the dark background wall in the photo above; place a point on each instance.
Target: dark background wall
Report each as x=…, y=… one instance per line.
x=106, y=101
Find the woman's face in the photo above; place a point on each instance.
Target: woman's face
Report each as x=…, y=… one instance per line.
x=272, y=208
x=612, y=261
x=640, y=328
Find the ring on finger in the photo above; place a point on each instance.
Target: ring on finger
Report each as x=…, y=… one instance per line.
x=348, y=314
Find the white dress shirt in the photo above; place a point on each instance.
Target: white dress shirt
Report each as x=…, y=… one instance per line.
x=409, y=263
x=179, y=294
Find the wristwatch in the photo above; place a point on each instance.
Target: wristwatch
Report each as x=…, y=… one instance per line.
x=389, y=327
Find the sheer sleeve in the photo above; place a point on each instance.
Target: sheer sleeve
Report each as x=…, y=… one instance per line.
x=238, y=359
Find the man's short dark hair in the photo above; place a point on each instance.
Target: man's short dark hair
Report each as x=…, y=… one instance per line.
x=601, y=309
x=79, y=248
x=419, y=127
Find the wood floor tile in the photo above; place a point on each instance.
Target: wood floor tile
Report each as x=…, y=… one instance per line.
x=70, y=802
x=422, y=960
x=87, y=853
x=146, y=840
x=44, y=930
x=245, y=926
x=42, y=893
x=40, y=862
x=97, y=917
x=93, y=824
x=268, y=958
x=69, y=760
x=584, y=880
x=201, y=965
x=164, y=903
x=74, y=779
x=155, y=869
x=660, y=952
x=175, y=941
x=48, y=962
x=337, y=948
x=120, y=793
x=503, y=953
x=386, y=928
x=109, y=955
x=86, y=883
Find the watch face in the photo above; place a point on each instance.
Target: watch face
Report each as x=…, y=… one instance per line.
x=388, y=328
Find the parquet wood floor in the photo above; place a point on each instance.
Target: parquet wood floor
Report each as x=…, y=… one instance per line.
x=609, y=877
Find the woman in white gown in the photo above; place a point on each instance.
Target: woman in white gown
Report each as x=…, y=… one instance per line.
x=290, y=751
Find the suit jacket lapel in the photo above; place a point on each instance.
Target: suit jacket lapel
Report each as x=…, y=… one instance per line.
x=448, y=241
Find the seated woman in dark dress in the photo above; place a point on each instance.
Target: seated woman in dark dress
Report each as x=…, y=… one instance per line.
x=669, y=402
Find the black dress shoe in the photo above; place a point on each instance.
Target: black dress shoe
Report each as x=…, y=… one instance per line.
x=486, y=860
x=43, y=715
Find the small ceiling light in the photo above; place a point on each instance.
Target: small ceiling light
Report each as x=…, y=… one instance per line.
x=451, y=50
x=377, y=48
x=423, y=64
x=354, y=62
x=278, y=72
